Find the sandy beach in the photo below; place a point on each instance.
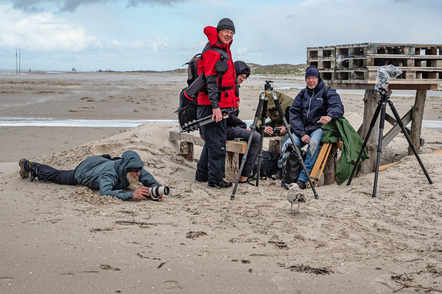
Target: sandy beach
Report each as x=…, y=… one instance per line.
x=69, y=239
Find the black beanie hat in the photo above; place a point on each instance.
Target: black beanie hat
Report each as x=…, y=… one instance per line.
x=311, y=71
x=241, y=68
x=225, y=24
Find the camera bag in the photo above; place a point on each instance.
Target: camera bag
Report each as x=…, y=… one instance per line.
x=196, y=83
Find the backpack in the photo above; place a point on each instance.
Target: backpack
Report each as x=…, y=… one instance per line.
x=269, y=165
x=196, y=83
x=291, y=167
x=192, y=68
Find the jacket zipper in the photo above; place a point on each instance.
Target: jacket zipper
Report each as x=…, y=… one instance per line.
x=310, y=103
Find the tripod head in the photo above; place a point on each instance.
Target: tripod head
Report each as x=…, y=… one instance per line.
x=385, y=73
x=384, y=93
x=268, y=86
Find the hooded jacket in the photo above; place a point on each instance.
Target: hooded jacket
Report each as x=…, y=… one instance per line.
x=240, y=68
x=110, y=176
x=309, y=106
x=207, y=65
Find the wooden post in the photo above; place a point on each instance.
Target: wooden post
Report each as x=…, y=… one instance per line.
x=186, y=150
x=233, y=149
x=232, y=166
x=416, y=124
x=330, y=166
x=370, y=103
x=275, y=144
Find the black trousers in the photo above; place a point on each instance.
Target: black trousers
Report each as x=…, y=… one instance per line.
x=46, y=173
x=244, y=134
x=211, y=164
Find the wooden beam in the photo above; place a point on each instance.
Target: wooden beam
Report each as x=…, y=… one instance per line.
x=418, y=115
x=237, y=147
x=396, y=128
x=194, y=138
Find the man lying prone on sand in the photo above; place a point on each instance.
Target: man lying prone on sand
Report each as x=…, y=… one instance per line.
x=110, y=176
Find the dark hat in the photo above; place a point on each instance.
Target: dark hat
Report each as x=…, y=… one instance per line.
x=241, y=68
x=225, y=24
x=312, y=71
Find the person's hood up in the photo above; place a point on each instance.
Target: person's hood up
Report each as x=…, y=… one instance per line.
x=130, y=159
x=241, y=68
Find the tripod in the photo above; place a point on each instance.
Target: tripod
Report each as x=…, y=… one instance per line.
x=381, y=109
x=262, y=110
x=198, y=123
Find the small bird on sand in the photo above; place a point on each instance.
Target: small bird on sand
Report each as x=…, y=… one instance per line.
x=295, y=194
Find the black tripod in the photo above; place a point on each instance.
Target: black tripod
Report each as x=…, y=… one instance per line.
x=198, y=123
x=262, y=110
x=381, y=108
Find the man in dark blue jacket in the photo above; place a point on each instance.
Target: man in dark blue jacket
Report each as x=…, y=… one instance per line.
x=312, y=108
x=110, y=176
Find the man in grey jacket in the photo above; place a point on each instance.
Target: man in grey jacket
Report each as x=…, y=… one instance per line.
x=109, y=175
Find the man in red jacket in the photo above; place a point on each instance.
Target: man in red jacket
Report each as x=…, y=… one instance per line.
x=219, y=95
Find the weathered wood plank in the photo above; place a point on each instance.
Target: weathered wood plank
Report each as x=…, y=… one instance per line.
x=370, y=103
x=237, y=147
x=194, y=138
x=396, y=129
x=232, y=166
x=418, y=116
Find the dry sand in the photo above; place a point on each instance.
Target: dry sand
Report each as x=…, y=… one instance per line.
x=69, y=239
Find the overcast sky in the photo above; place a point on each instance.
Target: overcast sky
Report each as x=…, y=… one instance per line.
x=160, y=35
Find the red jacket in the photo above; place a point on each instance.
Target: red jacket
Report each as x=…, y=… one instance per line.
x=207, y=65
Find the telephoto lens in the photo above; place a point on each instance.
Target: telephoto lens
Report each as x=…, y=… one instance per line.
x=156, y=193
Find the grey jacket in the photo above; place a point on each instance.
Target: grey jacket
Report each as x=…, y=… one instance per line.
x=110, y=176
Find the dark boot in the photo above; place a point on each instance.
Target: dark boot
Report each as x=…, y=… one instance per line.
x=24, y=172
x=33, y=169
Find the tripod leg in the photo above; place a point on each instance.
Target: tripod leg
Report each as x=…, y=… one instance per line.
x=249, y=143
x=364, y=144
x=379, y=150
x=263, y=114
x=281, y=114
x=404, y=131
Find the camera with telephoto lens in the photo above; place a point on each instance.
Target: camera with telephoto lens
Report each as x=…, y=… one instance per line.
x=276, y=131
x=156, y=192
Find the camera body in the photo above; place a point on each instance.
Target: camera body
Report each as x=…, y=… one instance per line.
x=276, y=131
x=156, y=193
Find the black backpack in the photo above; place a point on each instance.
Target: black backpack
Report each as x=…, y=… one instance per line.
x=269, y=165
x=291, y=167
x=196, y=83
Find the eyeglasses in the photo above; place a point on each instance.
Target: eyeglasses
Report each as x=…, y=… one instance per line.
x=242, y=77
x=227, y=32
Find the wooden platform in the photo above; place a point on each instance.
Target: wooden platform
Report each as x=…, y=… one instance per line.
x=354, y=66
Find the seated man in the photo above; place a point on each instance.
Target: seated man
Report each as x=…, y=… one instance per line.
x=236, y=128
x=110, y=176
x=312, y=108
x=276, y=127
